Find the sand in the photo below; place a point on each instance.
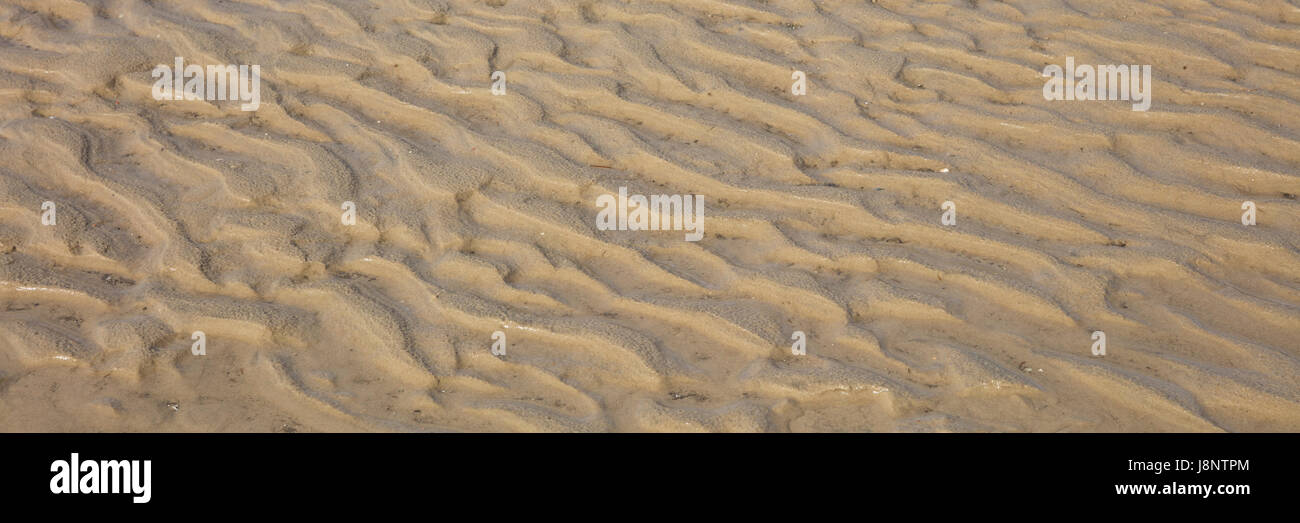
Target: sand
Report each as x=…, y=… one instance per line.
x=476, y=214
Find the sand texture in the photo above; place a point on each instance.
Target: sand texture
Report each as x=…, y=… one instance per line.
x=475, y=214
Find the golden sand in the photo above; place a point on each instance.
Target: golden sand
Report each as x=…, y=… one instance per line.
x=476, y=214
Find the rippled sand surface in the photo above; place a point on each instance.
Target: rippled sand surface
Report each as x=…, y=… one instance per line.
x=476, y=214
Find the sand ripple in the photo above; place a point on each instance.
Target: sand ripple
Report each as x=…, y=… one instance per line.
x=476, y=215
